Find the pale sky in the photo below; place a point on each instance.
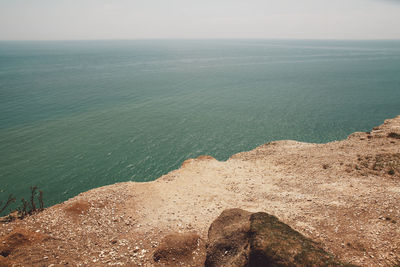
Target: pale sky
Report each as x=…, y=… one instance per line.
x=138, y=19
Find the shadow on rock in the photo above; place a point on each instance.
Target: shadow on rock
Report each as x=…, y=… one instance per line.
x=240, y=238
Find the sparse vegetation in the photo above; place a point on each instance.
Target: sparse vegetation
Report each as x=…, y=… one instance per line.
x=26, y=207
x=394, y=135
x=10, y=200
x=41, y=205
x=33, y=194
x=23, y=209
x=380, y=164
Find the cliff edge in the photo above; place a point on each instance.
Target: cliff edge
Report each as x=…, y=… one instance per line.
x=344, y=195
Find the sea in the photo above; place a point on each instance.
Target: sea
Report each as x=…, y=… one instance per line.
x=75, y=115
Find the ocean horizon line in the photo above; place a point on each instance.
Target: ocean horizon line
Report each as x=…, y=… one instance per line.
x=200, y=39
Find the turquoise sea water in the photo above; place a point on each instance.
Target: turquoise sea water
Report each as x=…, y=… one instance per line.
x=75, y=115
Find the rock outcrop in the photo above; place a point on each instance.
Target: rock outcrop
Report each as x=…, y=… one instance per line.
x=228, y=239
x=240, y=238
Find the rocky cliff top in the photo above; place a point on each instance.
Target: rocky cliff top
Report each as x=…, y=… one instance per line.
x=343, y=195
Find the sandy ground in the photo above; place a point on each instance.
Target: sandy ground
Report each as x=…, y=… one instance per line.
x=344, y=195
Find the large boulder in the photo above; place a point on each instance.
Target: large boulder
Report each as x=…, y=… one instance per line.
x=228, y=239
x=240, y=238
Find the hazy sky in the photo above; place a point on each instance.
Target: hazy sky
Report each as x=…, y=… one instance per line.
x=132, y=19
